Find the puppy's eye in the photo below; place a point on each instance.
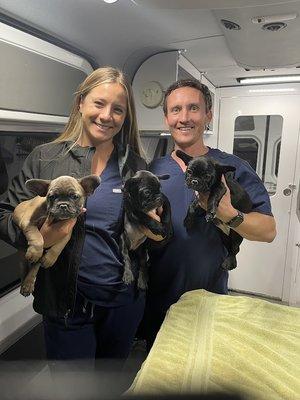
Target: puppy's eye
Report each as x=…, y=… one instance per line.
x=51, y=197
x=146, y=192
x=74, y=196
x=188, y=172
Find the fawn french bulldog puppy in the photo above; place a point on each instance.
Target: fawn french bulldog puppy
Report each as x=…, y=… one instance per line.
x=60, y=199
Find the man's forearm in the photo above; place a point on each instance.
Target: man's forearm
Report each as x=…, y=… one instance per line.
x=258, y=227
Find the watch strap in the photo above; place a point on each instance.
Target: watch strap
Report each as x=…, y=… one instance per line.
x=236, y=221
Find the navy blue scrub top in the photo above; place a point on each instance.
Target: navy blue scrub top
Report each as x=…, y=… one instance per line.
x=191, y=260
x=101, y=268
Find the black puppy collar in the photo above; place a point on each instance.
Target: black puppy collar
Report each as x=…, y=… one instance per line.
x=236, y=221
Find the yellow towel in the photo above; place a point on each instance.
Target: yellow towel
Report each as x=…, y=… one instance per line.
x=211, y=342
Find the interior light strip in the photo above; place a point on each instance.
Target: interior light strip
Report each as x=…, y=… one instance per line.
x=271, y=90
x=270, y=79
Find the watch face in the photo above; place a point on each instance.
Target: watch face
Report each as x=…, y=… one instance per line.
x=236, y=221
x=151, y=94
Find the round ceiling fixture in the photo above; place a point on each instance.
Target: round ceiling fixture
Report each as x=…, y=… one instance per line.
x=110, y=1
x=274, y=26
x=232, y=26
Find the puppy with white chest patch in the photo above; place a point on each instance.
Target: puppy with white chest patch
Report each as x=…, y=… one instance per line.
x=204, y=175
x=143, y=197
x=60, y=199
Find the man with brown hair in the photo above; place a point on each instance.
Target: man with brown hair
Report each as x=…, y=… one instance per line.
x=192, y=259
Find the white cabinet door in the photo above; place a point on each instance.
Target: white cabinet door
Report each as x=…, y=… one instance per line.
x=262, y=266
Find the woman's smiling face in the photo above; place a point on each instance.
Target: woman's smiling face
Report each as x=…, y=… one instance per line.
x=103, y=112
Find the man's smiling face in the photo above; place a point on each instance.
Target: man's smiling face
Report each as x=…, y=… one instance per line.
x=186, y=116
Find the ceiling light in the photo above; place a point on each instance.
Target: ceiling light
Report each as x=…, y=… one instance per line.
x=272, y=90
x=110, y=1
x=269, y=79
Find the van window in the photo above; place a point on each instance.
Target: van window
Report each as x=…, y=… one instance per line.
x=244, y=123
x=156, y=144
x=247, y=149
x=257, y=140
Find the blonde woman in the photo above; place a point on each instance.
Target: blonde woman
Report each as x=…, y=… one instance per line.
x=88, y=311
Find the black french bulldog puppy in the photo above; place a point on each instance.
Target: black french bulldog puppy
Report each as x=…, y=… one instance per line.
x=142, y=194
x=203, y=174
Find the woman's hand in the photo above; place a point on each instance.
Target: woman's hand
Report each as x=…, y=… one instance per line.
x=53, y=232
x=155, y=214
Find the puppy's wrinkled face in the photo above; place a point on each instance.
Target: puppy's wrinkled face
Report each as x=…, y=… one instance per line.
x=65, y=198
x=201, y=174
x=143, y=191
x=65, y=195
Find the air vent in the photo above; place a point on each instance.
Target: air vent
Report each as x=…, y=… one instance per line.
x=274, y=26
x=232, y=26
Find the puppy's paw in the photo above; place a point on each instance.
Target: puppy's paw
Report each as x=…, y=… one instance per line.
x=229, y=263
x=210, y=216
x=128, y=276
x=34, y=253
x=48, y=259
x=157, y=228
x=142, y=282
x=27, y=288
x=189, y=222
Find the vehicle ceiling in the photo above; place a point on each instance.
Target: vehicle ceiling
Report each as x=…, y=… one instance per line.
x=127, y=32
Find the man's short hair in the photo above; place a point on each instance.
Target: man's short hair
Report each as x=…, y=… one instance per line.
x=193, y=83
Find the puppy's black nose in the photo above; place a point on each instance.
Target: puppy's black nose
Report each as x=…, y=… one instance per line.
x=63, y=207
x=194, y=181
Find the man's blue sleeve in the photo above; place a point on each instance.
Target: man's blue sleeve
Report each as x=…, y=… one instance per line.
x=251, y=182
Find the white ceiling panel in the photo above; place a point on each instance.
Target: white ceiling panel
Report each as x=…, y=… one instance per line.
x=208, y=52
x=255, y=48
x=113, y=33
x=204, y=4
x=125, y=33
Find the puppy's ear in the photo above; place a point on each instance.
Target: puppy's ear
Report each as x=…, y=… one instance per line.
x=129, y=185
x=163, y=177
x=38, y=186
x=185, y=157
x=89, y=183
x=225, y=168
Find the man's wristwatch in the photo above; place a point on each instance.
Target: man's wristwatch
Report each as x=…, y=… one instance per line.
x=236, y=221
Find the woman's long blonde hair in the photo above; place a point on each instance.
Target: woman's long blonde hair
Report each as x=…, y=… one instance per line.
x=129, y=133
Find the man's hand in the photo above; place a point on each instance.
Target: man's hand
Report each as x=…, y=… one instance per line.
x=155, y=214
x=225, y=211
x=53, y=232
